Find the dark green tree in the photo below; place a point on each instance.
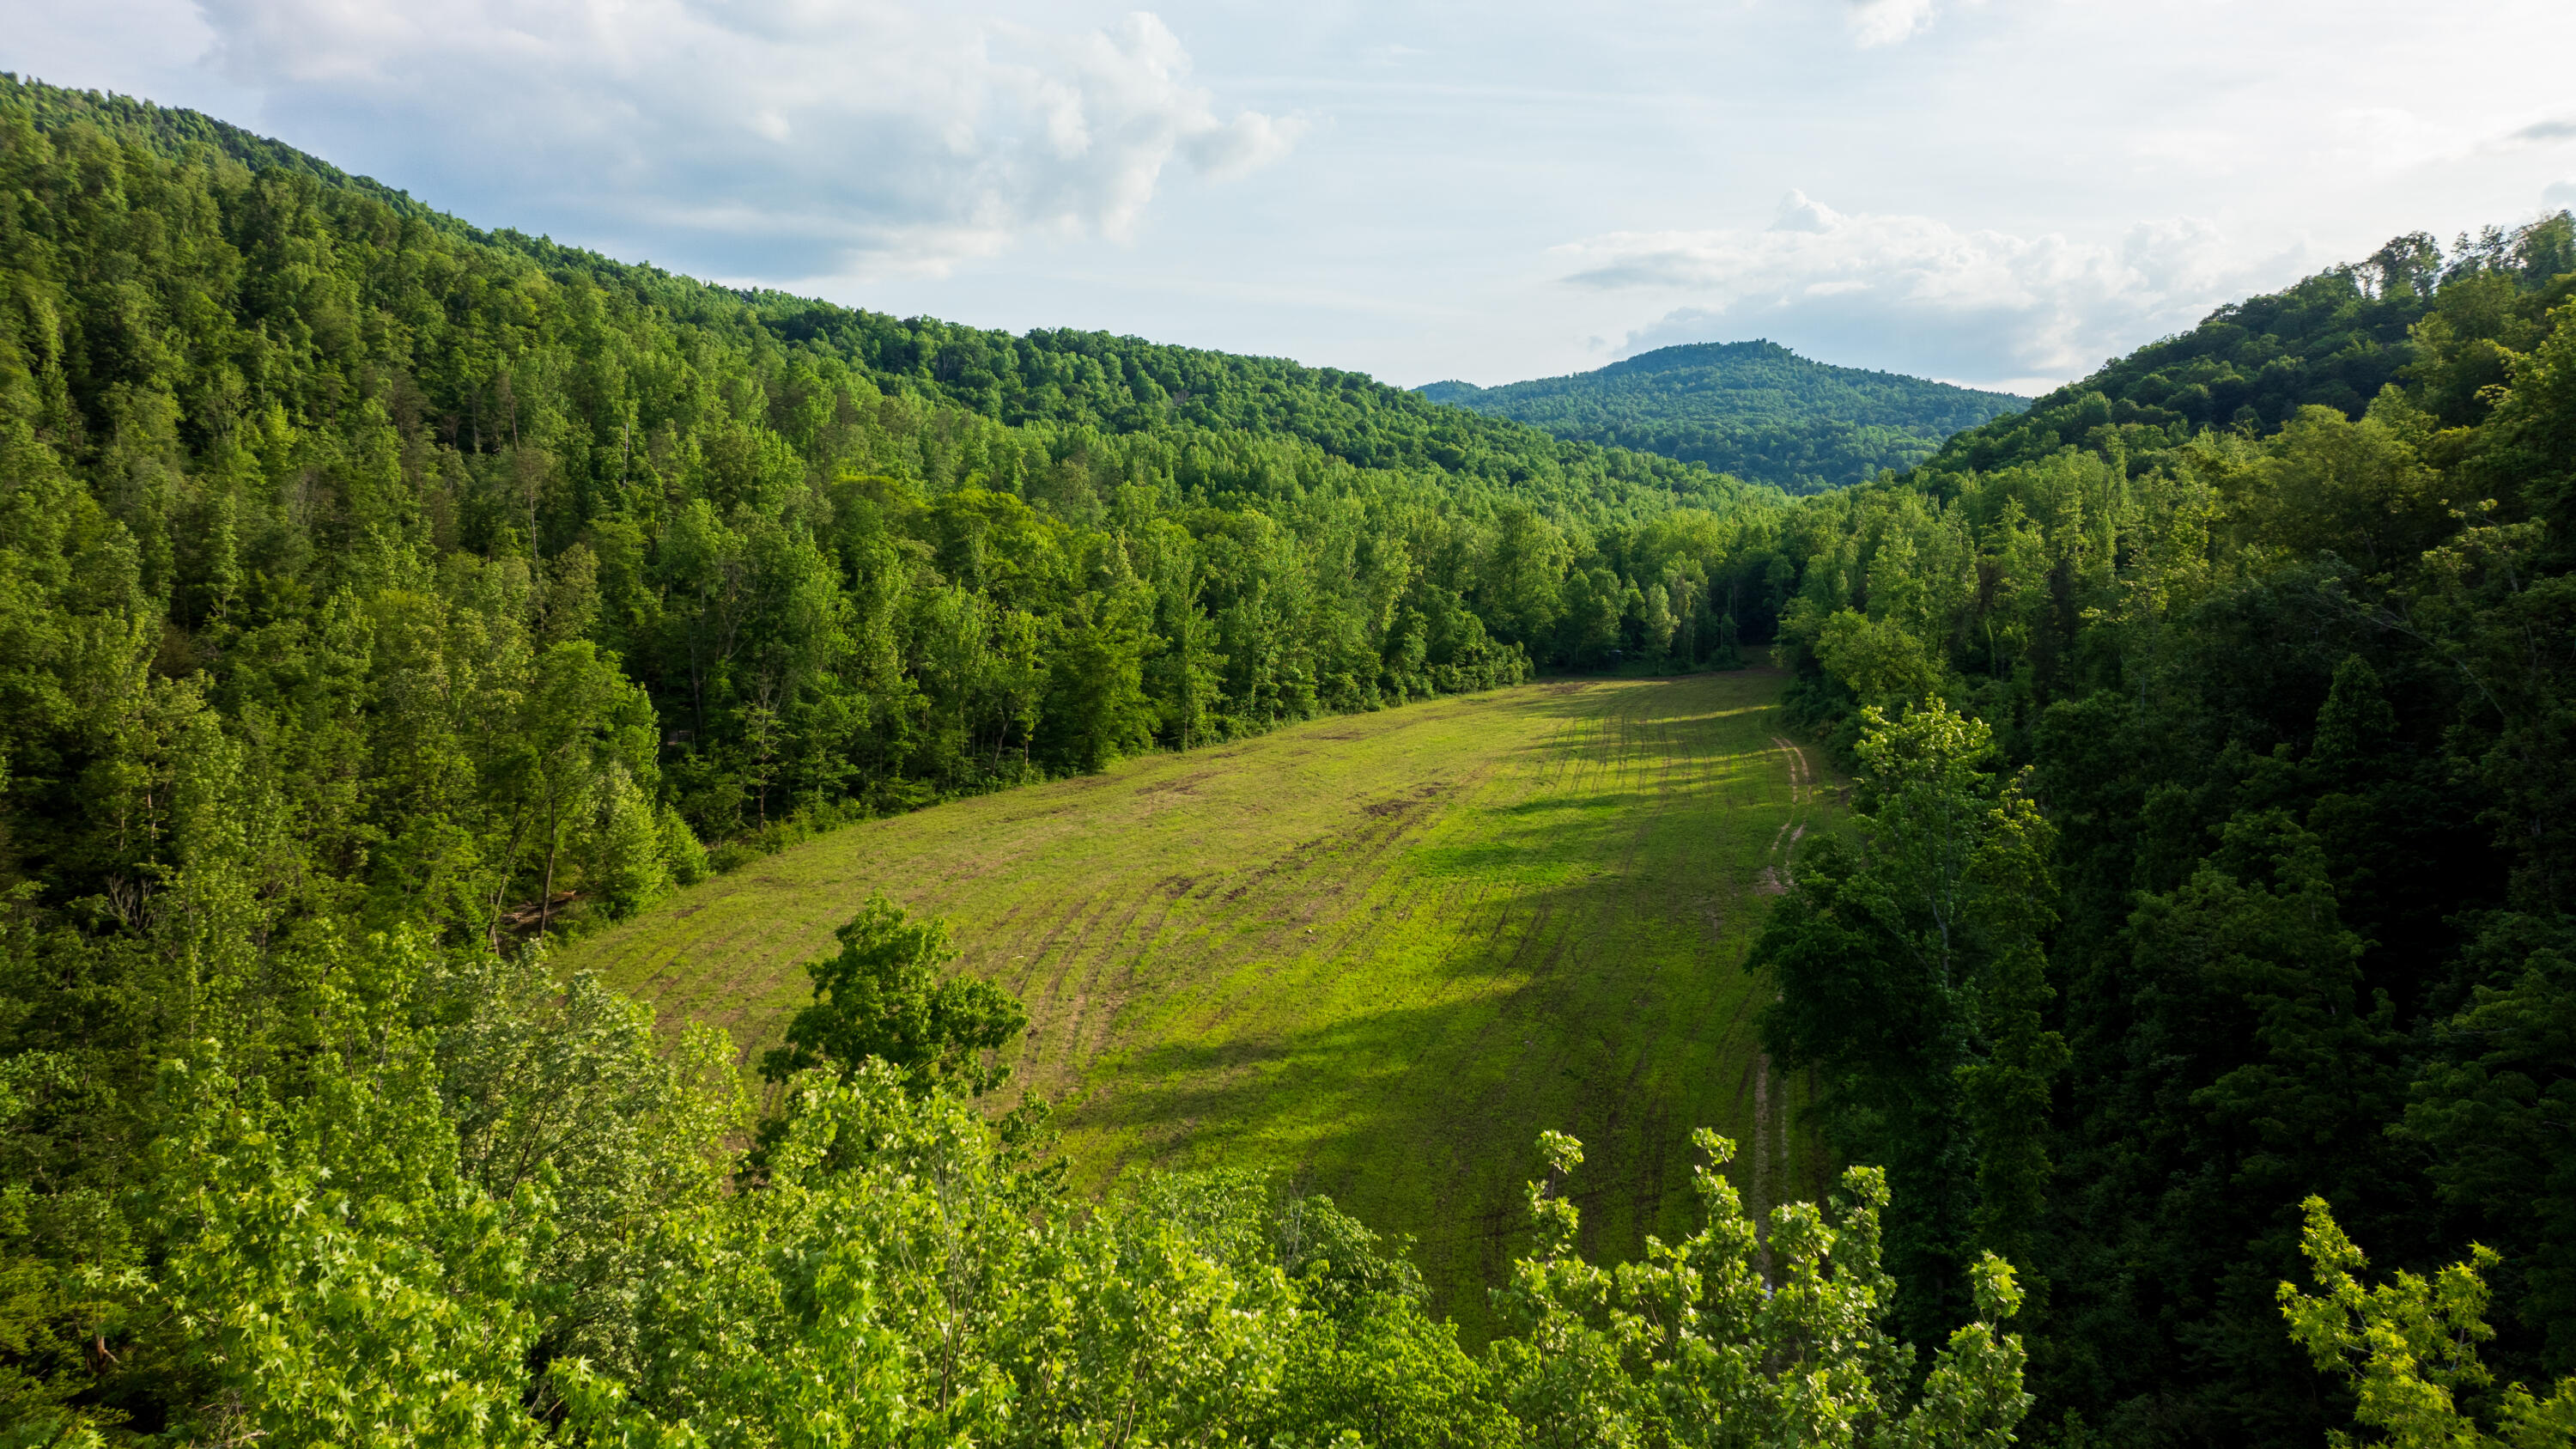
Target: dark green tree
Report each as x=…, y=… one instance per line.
x=1911, y=975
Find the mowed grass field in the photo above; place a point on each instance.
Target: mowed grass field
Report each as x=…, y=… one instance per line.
x=1375, y=954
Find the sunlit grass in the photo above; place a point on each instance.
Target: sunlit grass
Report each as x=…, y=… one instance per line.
x=1375, y=953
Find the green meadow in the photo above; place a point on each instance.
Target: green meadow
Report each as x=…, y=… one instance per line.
x=1375, y=954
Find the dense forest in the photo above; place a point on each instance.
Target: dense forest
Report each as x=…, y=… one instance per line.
x=380, y=597
x=2213, y=721
x=1754, y=410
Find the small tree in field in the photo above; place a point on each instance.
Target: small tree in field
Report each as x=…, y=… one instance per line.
x=882, y=997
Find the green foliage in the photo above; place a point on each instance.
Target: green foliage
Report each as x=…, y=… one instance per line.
x=379, y=597
x=1755, y=410
x=2409, y=1348
x=2334, y=340
x=327, y=1278
x=525, y=1235
x=1735, y=1337
x=882, y=999
x=2486, y=1104
x=518, y=573
x=2274, y=617
x=1877, y=660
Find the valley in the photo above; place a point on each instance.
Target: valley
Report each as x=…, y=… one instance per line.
x=459, y=682
x=1374, y=954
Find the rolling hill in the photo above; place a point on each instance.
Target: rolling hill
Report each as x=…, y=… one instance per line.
x=1752, y=409
x=2336, y=340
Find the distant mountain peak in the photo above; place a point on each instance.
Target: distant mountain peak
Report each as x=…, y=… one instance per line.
x=1684, y=354
x=1752, y=408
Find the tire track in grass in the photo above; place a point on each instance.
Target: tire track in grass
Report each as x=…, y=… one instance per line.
x=1102, y=1006
x=1770, y=1146
x=1633, y=752
x=1322, y=880
x=1649, y=748
x=1068, y=1014
x=1595, y=756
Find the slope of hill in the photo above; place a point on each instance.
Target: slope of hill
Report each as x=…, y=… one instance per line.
x=2334, y=340
x=1061, y=377
x=1752, y=409
x=825, y=558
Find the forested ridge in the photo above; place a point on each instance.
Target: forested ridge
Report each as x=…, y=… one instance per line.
x=1755, y=410
x=380, y=598
x=1055, y=376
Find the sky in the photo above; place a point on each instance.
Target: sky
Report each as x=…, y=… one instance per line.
x=2001, y=193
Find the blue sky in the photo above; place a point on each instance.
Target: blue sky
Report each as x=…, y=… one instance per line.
x=1997, y=192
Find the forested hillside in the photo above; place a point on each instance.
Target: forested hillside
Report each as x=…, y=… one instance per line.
x=380, y=598
x=2214, y=723
x=1066, y=378
x=2335, y=340
x=1755, y=410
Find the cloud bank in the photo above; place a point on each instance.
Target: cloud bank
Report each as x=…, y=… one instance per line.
x=792, y=139
x=1915, y=294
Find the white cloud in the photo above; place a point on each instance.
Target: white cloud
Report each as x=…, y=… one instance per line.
x=1914, y=293
x=1801, y=212
x=2188, y=151
x=1243, y=145
x=2387, y=139
x=2557, y=194
x=846, y=147
x=790, y=139
x=1885, y=22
